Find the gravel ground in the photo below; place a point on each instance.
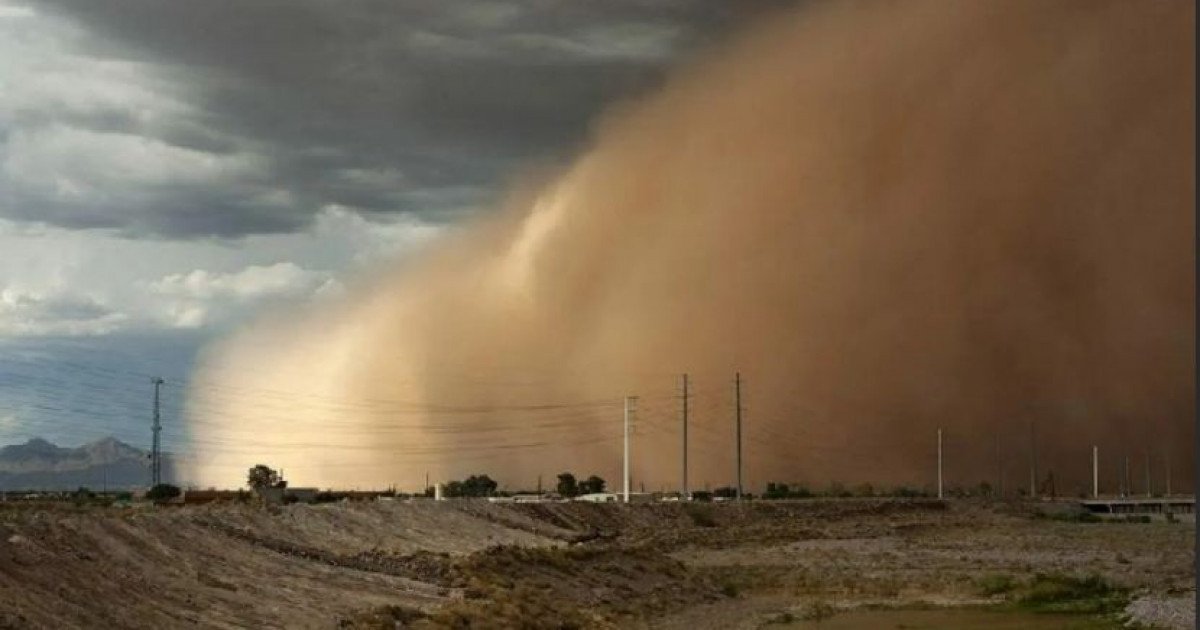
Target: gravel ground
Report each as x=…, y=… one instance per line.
x=692, y=567
x=1175, y=613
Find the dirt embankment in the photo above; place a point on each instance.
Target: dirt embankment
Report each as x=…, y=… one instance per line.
x=481, y=565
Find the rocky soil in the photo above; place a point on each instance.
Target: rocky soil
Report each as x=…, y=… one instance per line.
x=474, y=564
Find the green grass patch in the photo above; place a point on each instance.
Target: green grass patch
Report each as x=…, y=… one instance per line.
x=1061, y=593
x=996, y=584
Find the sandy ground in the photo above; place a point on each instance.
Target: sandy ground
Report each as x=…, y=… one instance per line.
x=226, y=567
x=664, y=566
x=939, y=559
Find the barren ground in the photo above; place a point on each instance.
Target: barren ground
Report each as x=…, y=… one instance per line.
x=480, y=565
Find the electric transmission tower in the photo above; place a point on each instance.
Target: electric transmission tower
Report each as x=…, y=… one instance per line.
x=156, y=428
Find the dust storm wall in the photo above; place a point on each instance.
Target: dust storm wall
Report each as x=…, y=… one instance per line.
x=889, y=217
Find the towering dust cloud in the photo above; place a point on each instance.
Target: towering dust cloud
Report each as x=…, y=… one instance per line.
x=889, y=217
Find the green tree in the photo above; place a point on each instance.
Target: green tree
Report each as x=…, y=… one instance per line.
x=479, y=486
x=473, y=486
x=263, y=476
x=776, y=490
x=567, y=486
x=163, y=492
x=591, y=485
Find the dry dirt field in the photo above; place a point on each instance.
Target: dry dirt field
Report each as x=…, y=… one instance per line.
x=473, y=564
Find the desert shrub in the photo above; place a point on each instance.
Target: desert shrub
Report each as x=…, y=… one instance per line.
x=163, y=492
x=1059, y=593
x=836, y=489
x=725, y=492
x=996, y=584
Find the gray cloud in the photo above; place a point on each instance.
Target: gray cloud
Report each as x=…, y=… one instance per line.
x=228, y=118
x=35, y=315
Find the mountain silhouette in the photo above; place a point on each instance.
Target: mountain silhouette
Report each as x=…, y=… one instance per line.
x=105, y=463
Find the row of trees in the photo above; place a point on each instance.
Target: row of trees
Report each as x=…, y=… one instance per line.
x=484, y=486
x=569, y=487
x=777, y=490
x=473, y=486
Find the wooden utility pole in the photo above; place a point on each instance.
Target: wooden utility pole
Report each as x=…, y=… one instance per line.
x=1033, y=491
x=999, y=468
x=628, y=417
x=1167, y=463
x=1149, y=482
x=684, y=494
x=940, y=494
x=1128, y=479
x=737, y=402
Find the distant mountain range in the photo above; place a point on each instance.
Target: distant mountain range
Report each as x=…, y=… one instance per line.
x=108, y=462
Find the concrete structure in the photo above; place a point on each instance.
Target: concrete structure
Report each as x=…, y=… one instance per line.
x=1120, y=507
x=598, y=497
x=548, y=497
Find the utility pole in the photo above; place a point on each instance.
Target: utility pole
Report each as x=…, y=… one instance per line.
x=1032, y=462
x=1120, y=480
x=628, y=413
x=1167, y=463
x=1095, y=472
x=1149, y=485
x=940, y=495
x=1128, y=479
x=684, y=495
x=999, y=468
x=156, y=428
x=539, y=485
x=737, y=401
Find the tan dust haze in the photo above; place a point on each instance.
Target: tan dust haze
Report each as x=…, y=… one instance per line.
x=889, y=217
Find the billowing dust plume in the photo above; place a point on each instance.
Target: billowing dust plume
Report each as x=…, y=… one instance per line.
x=889, y=217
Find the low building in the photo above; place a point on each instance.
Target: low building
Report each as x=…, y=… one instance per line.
x=536, y=498
x=598, y=497
x=1128, y=506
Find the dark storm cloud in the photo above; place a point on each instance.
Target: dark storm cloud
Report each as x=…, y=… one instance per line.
x=382, y=106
